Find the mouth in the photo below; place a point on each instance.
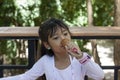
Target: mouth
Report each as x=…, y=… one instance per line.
x=63, y=47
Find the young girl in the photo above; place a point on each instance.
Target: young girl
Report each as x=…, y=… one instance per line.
x=59, y=62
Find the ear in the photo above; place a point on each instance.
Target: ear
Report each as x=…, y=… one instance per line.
x=46, y=45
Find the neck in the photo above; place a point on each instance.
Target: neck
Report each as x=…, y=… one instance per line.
x=62, y=61
x=61, y=57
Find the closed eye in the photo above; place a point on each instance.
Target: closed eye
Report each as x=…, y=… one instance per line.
x=55, y=37
x=65, y=33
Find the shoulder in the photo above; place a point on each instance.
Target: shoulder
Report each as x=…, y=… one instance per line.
x=46, y=58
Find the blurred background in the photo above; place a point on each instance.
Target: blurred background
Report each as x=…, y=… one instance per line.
x=76, y=13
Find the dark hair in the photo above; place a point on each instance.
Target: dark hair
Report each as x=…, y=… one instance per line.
x=48, y=28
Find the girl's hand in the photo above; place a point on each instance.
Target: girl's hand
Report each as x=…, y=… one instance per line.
x=72, y=48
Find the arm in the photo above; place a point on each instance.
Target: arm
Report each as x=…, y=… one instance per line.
x=32, y=74
x=92, y=69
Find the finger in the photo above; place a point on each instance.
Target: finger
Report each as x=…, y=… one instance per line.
x=72, y=54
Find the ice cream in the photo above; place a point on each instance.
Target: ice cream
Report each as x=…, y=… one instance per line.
x=64, y=42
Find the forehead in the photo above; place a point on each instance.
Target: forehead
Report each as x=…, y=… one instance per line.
x=57, y=30
x=60, y=30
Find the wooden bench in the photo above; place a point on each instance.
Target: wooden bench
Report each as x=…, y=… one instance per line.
x=77, y=33
x=89, y=32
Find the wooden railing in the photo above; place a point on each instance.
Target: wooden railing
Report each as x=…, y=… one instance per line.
x=91, y=32
x=31, y=34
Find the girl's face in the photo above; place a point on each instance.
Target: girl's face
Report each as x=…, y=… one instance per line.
x=55, y=40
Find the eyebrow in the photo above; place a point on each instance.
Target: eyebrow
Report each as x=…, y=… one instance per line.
x=62, y=30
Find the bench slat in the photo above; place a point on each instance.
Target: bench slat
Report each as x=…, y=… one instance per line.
x=76, y=31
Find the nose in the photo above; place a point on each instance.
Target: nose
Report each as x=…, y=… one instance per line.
x=62, y=37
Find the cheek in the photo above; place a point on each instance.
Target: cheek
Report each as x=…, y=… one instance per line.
x=55, y=45
x=68, y=36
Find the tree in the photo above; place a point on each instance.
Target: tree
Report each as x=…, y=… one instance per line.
x=6, y=18
x=10, y=15
x=90, y=24
x=117, y=42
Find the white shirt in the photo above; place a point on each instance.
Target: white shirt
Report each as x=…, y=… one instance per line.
x=75, y=71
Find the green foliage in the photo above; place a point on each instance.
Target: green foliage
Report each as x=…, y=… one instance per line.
x=7, y=12
x=71, y=11
x=3, y=48
x=48, y=8
x=8, y=48
x=81, y=44
x=103, y=12
x=11, y=49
